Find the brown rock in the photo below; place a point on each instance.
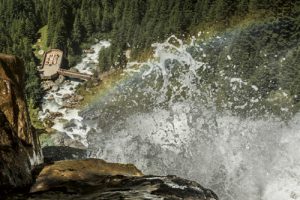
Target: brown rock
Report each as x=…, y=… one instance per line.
x=51, y=97
x=60, y=80
x=68, y=105
x=79, y=98
x=47, y=85
x=62, y=139
x=96, y=179
x=66, y=96
x=48, y=123
x=80, y=170
x=54, y=115
x=18, y=141
x=55, y=88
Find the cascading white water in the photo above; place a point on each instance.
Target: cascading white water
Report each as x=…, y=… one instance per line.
x=165, y=122
x=53, y=100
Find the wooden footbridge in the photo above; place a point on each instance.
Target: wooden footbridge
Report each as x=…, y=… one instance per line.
x=76, y=75
x=51, y=67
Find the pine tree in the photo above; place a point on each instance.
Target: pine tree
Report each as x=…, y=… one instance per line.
x=107, y=18
x=88, y=24
x=198, y=13
x=223, y=10
x=59, y=40
x=242, y=7
x=77, y=33
x=32, y=86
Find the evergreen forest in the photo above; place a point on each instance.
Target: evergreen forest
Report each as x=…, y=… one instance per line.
x=134, y=25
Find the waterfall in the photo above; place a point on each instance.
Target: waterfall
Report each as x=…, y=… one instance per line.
x=166, y=119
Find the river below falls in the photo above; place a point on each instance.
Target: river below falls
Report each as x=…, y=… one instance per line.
x=159, y=118
x=53, y=101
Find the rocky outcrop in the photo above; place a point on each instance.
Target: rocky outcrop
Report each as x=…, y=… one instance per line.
x=71, y=101
x=97, y=179
x=19, y=147
x=61, y=139
x=61, y=172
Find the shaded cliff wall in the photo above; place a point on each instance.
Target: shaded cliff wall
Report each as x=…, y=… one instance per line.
x=19, y=145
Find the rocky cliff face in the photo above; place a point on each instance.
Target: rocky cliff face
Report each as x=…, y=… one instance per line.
x=19, y=147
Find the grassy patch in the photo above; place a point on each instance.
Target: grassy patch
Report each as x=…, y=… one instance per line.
x=46, y=140
x=41, y=43
x=34, y=116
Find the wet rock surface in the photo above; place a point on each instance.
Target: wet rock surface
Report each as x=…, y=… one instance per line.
x=66, y=96
x=62, y=139
x=57, y=174
x=60, y=80
x=57, y=153
x=70, y=124
x=54, y=115
x=47, y=85
x=122, y=187
x=96, y=179
x=48, y=123
x=71, y=101
x=19, y=146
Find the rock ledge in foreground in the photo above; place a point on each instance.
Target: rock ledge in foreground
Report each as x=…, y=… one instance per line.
x=96, y=179
x=57, y=174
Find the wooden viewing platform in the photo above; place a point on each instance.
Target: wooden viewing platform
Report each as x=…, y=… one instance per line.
x=51, y=67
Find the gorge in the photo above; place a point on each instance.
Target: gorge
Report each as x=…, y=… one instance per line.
x=173, y=93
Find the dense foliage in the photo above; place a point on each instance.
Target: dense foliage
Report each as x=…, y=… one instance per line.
x=256, y=69
x=137, y=24
x=133, y=24
x=18, y=25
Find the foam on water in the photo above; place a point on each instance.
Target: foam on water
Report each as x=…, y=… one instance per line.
x=165, y=122
x=79, y=131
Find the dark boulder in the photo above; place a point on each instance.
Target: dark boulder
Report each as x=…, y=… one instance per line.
x=57, y=153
